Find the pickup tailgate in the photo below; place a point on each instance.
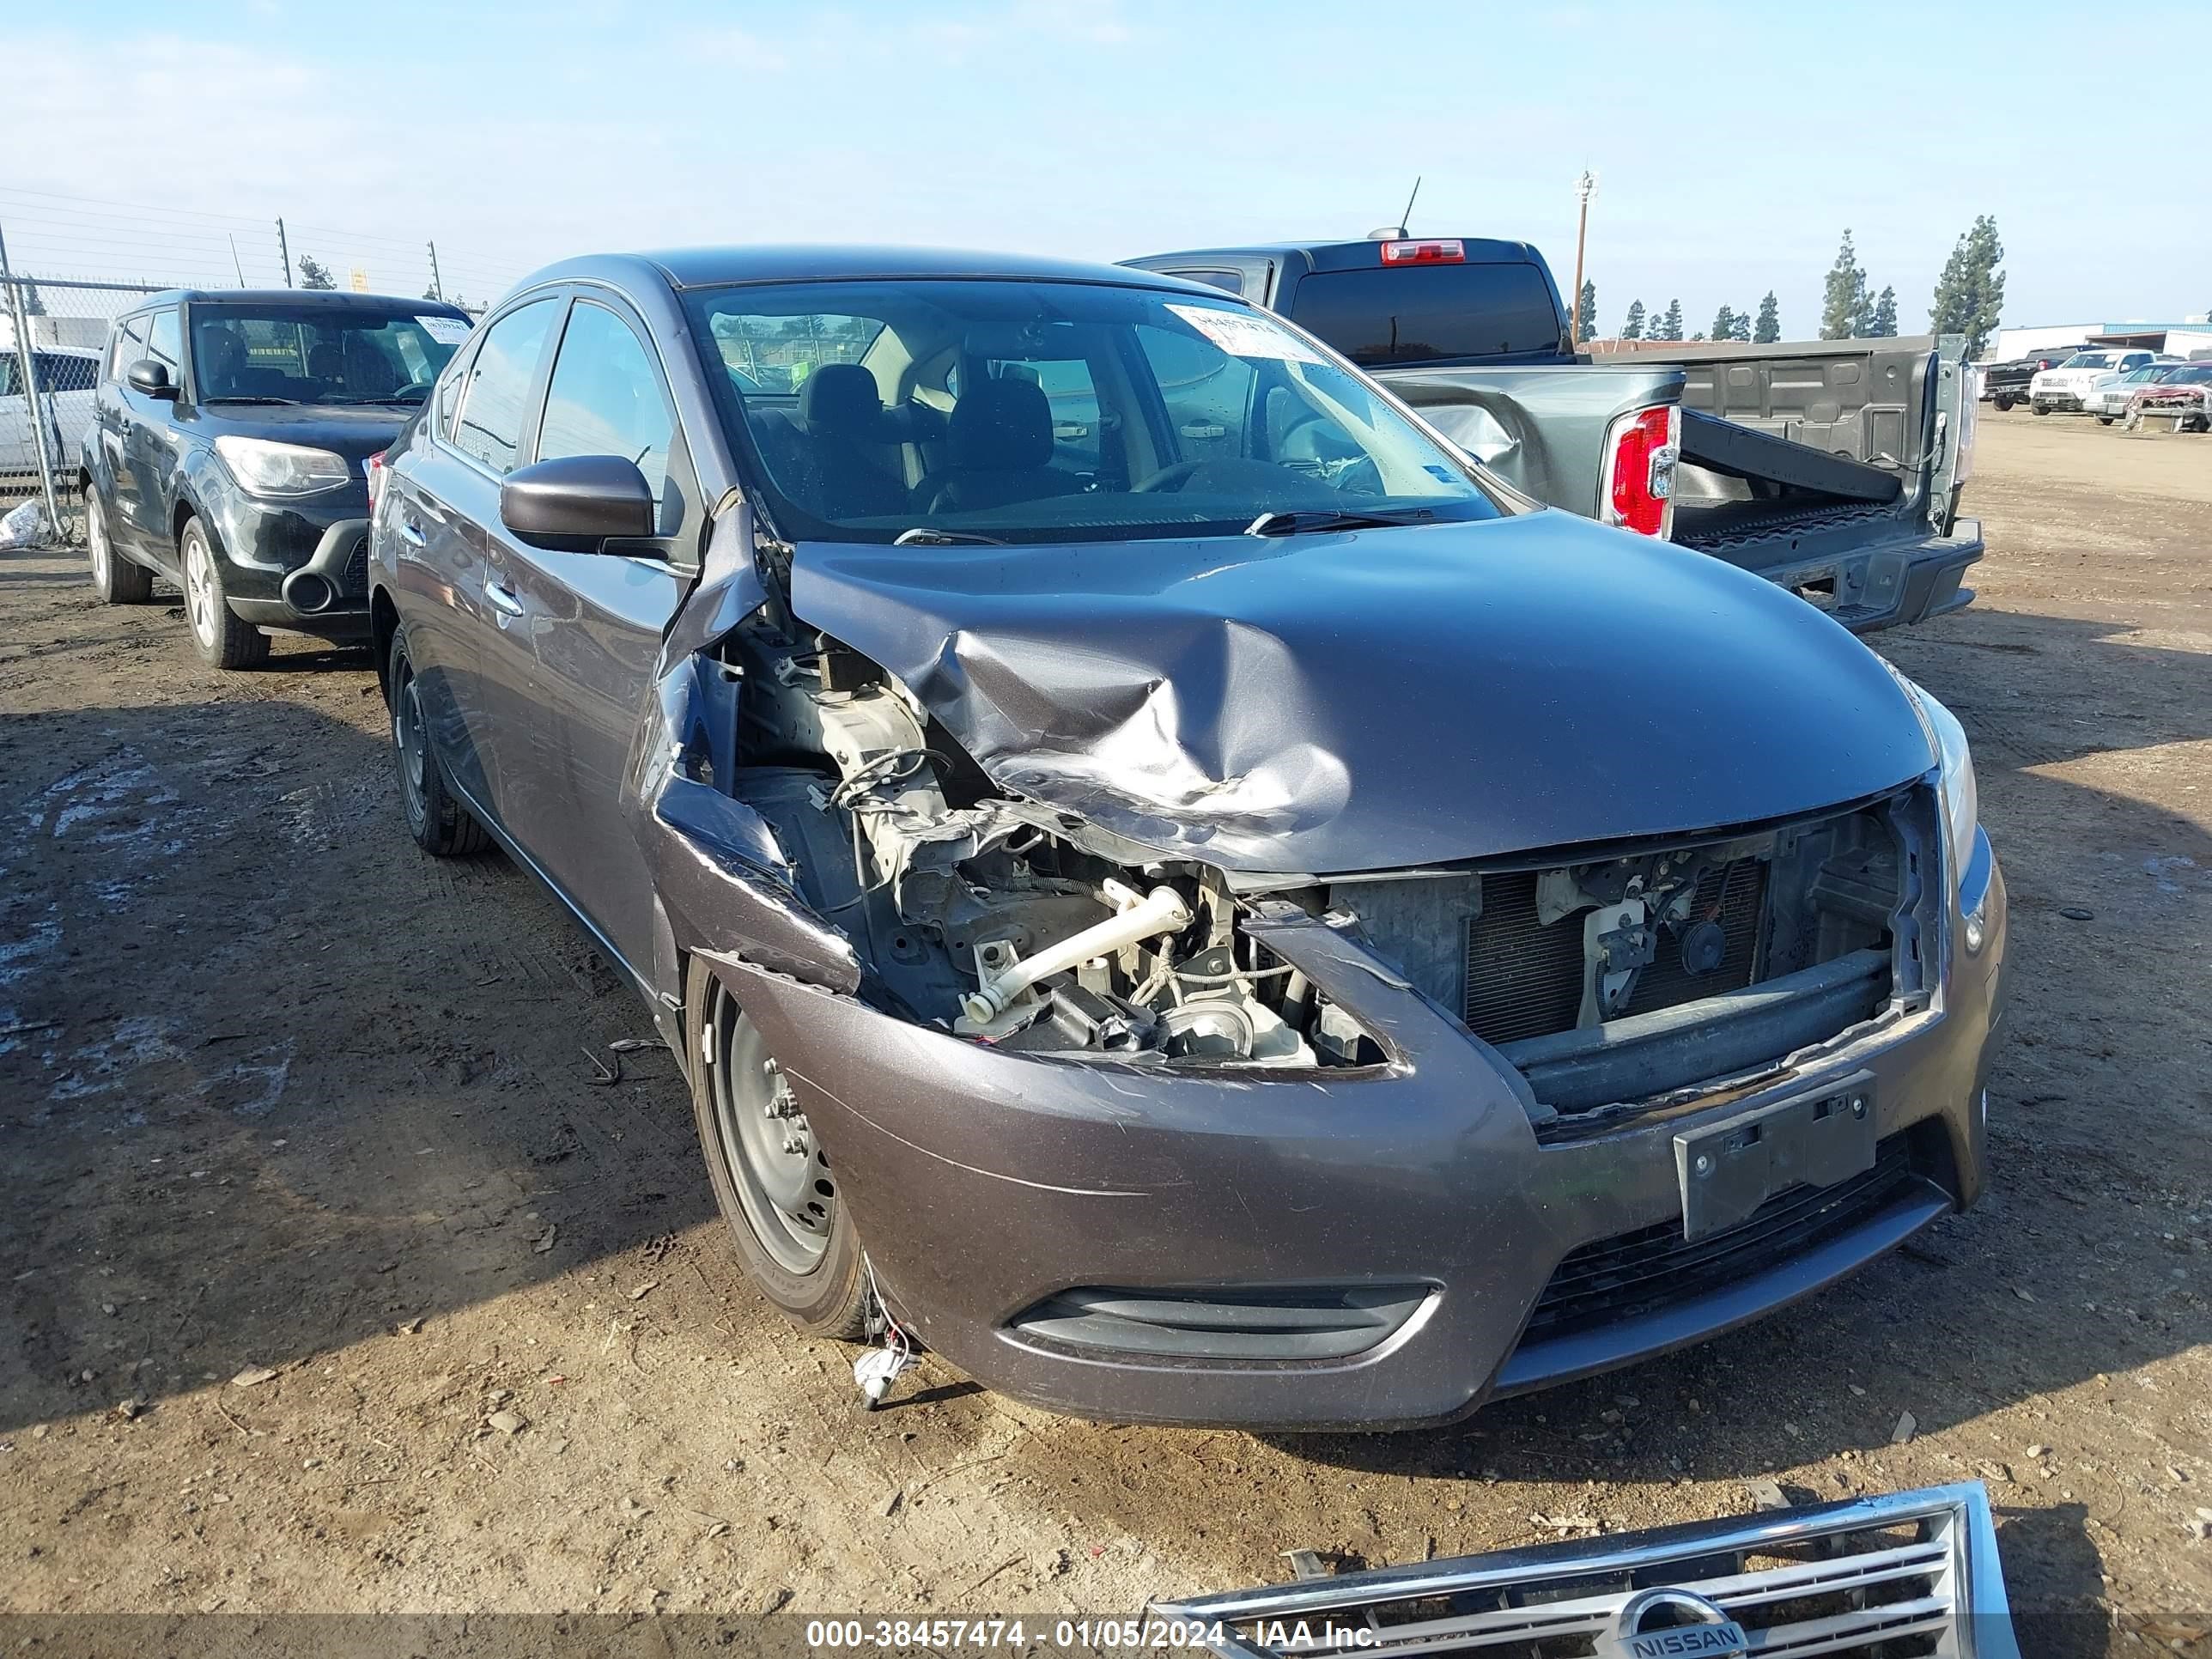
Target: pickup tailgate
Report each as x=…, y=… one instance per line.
x=1832, y=469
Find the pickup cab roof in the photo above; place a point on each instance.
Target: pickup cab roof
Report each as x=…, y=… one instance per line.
x=1463, y=299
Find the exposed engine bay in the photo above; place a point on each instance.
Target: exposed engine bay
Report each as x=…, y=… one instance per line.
x=1020, y=925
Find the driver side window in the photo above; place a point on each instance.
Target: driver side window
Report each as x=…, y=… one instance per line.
x=1208, y=393
x=606, y=397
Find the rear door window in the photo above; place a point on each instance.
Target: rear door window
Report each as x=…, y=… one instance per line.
x=495, y=404
x=1415, y=313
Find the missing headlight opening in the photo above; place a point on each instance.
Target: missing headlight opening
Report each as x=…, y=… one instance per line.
x=1015, y=923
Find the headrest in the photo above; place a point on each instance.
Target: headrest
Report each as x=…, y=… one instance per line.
x=839, y=399
x=1002, y=426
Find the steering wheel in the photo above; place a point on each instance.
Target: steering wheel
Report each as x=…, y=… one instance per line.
x=1169, y=477
x=414, y=392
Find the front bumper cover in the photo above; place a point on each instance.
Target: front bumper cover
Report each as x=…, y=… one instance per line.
x=985, y=1183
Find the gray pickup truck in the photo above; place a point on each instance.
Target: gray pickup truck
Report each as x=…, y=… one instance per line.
x=1832, y=468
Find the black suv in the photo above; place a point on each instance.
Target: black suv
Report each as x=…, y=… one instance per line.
x=229, y=448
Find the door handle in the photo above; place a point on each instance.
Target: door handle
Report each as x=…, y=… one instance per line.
x=409, y=533
x=502, y=598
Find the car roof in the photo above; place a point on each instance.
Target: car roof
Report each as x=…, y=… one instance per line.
x=324, y=298
x=715, y=267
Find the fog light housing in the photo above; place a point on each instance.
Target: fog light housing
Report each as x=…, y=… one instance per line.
x=1976, y=926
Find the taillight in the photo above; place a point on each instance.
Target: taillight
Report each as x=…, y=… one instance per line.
x=1641, y=450
x=1446, y=251
x=375, y=471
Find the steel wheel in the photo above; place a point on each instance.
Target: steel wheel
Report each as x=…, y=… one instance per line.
x=407, y=737
x=780, y=1174
x=200, y=600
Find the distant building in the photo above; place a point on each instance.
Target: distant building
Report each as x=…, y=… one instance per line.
x=2181, y=339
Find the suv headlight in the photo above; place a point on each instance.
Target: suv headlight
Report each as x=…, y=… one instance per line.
x=275, y=469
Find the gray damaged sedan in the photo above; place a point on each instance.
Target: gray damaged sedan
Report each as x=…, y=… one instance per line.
x=1168, y=882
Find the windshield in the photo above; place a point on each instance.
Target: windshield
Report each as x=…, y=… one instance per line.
x=2088, y=360
x=318, y=354
x=1022, y=412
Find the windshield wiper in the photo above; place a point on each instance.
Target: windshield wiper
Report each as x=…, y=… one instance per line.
x=923, y=535
x=248, y=398
x=350, y=403
x=1297, y=522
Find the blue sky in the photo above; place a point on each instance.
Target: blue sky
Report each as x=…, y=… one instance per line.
x=1733, y=145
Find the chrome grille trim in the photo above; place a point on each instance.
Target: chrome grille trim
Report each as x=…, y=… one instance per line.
x=1562, y=1599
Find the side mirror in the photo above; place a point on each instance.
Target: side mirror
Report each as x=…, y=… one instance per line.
x=150, y=380
x=577, y=503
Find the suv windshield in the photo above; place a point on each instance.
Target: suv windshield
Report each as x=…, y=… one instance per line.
x=2088, y=360
x=960, y=411
x=318, y=354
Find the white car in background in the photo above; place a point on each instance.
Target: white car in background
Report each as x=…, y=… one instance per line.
x=2108, y=397
x=67, y=375
x=2068, y=386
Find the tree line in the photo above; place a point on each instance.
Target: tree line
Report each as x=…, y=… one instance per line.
x=1969, y=300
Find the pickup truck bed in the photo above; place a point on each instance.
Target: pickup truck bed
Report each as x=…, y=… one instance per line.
x=1831, y=468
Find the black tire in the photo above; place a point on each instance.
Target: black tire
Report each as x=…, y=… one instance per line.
x=115, y=579
x=442, y=826
x=2041, y=409
x=2004, y=400
x=815, y=1281
x=2104, y=420
x=221, y=640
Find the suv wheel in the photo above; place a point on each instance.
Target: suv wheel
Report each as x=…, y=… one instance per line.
x=771, y=1177
x=115, y=580
x=222, y=640
x=442, y=826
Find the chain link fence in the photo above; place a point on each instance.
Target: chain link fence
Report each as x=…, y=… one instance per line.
x=53, y=333
x=70, y=264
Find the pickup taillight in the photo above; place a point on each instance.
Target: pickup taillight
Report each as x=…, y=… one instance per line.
x=1638, y=485
x=376, y=472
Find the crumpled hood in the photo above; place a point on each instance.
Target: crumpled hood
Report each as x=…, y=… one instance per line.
x=1332, y=703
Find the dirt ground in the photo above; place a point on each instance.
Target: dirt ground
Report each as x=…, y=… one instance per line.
x=279, y=1095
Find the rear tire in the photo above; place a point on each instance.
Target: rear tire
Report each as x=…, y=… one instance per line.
x=442, y=826
x=2004, y=401
x=2104, y=420
x=115, y=579
x=221, y=640
x=769, y=1172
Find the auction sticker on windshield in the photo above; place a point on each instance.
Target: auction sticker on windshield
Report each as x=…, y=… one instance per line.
x=1246, y=334
x=446, y=330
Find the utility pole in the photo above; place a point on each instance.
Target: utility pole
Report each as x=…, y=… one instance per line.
x=27, y=366
x=437, y=287
x=1583, y=188
x=285, y=249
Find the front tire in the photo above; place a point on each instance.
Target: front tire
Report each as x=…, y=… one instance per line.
x=115, y=579
x=794, y=1235
x=2004, y=401
x=2041, y=409
x=221, y=640
x=442, y=826
x=2104, y=420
